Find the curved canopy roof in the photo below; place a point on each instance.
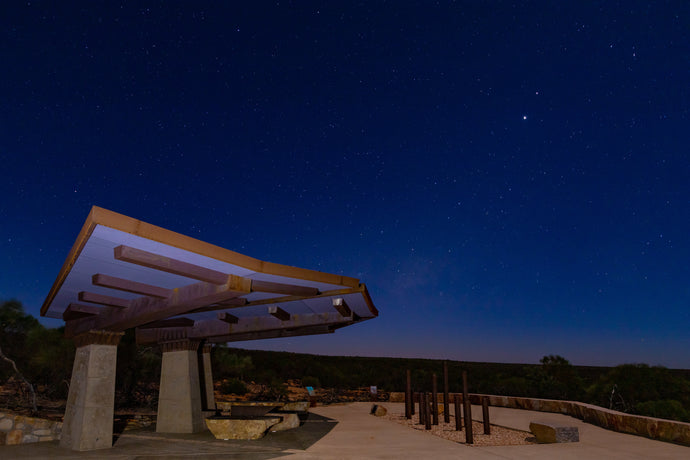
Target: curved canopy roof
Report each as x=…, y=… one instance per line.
x=123, y=273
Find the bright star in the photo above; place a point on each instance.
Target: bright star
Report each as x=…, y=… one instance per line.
x=524, y=117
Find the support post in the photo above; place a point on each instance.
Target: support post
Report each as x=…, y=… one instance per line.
x=468, y=410
x=427, y=415
x=208, y=400
x=485, y=414
x=413, y=396
x=446, y=399
x=179, y=400
x=88, y=422
x=458, y=413
x=434, y=398
x=422, y=412
x=408, y=395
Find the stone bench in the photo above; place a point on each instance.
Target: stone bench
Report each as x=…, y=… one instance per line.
x=225, y=427
x=551, y=432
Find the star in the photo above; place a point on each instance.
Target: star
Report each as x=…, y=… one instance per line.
x=524, y=117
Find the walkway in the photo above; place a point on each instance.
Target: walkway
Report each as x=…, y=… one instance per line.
x=360, y=435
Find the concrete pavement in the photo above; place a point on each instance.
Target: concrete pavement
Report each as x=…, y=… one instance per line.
x=360, y=435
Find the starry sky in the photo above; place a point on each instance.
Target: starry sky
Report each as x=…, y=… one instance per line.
x=510, y=179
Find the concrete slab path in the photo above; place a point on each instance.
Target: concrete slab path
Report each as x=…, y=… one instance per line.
x=361, y=435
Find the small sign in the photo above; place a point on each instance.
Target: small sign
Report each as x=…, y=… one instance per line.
x=372, y=389
x=311, y=391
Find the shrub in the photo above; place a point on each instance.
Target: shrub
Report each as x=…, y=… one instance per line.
x=666, y=408
x=233, y=386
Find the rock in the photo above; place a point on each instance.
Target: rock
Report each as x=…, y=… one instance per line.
x=289, y=421
x=378, y=410
x=14, y=437
x=240, y=428
x=29, y=438
x=550, y=432
x=396, y=396
x=296, y=406
x=6, y=424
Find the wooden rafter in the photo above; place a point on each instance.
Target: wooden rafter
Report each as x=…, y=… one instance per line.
x=279, y=313
x=172, y=322
x=279, y=288
x=227, y=317
x=134, y=287
x=76, y=310
x=144, y=310
x=342, y=306
x=168, y=265
x=110, y=301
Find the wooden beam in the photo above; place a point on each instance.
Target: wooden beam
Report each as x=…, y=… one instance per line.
x=309, y=330
x=342, y=306
x=172, y=322
x=243, y=302
x=144, y=310
x=103, y=299
x=236, y=302
x=227, y=317
x=207, y=329
x=279, y=313
x=76, y=310
x=279, y=288
x=169, y=265
x=130, y=286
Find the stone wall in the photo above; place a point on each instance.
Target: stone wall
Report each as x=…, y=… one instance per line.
x=655, y=428
x=19, y=429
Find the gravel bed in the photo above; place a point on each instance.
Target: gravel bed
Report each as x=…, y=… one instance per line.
x=499, y=436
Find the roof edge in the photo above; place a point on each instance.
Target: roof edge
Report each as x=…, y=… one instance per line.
x=111, y=219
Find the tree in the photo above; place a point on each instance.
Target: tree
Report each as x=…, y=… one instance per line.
x=15, y=326
x=558, y=379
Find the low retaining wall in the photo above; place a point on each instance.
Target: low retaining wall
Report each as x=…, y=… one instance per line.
x=19, y=429
x=655, y=428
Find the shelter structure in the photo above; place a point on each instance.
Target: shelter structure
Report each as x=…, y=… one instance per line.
x=184, y=295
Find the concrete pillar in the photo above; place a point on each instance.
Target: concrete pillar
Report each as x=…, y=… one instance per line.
x=206, y=374
x=88, y=422
x=179, y=399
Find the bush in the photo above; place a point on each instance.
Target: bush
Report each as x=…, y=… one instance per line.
x=233, y=386
x=666, y=408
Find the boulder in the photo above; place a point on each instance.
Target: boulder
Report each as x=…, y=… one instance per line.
x=551, y=432
x=378, y=410
x=297, y=406
x=240, y=428
x=289, y=421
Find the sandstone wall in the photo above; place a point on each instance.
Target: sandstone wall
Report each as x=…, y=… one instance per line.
x=19, y=429
x=655, y=428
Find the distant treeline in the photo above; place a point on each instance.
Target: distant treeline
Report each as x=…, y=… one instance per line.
x=45, y=358
x=633, y=388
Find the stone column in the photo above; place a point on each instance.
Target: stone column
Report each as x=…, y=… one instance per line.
x=88, y=422
x=206, y=374
x=179, y=399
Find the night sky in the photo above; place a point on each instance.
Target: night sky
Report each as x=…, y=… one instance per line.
x=509, y=179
